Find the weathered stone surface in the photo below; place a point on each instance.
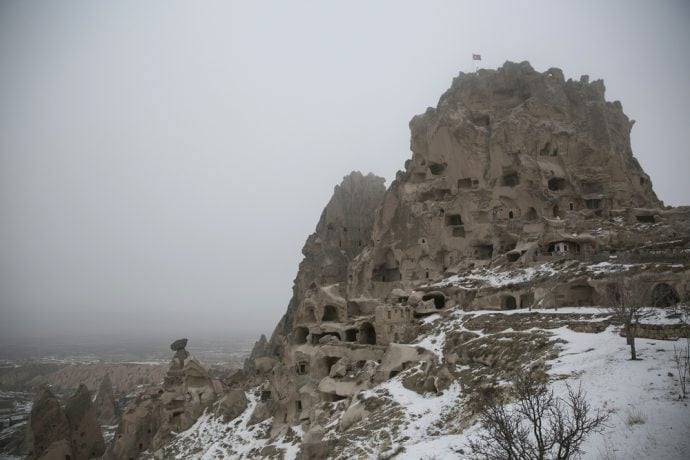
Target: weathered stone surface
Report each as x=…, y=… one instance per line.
x=514, y=168
x=48, y=434
x=104, y=402
x=86, y=436
x=233, y=404
x=343, y=231
x=178, y=344
x=150, y=421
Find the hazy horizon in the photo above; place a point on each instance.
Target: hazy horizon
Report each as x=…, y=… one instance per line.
x=162, y=163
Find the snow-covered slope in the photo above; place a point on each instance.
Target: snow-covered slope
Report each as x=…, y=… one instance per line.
x=647, y=419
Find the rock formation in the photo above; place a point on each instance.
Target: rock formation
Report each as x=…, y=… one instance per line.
x=156, y=414
x=56, y=434
x=48, y=433
x=104, y=402
x=522, y=192
x=86, y=437
x=343, y=230
x=514, y=169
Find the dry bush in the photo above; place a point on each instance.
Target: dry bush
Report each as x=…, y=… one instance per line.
x=541, y=425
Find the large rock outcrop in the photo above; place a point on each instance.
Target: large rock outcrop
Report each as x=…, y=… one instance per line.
x=343, y=230
x=522, y=191
x=513, y=170
x=87, y=438
x=155, y=415
x=72, y=433
x=104, y=402
x=509, y=157
x=48, y=430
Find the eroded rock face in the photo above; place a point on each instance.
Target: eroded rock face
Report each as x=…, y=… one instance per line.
x=48, y=433
x=54, y=433
x=519, y=184
x=104, y=402
x=86, y=436
x=150, y=421
x=509, y=160
x=513, y=170
x=344, y=229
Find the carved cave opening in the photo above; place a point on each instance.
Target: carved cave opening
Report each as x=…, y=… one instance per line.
x=453, y=219
x=647, y=219
x=437, y=168
x=367, y=334
x=438, y=297
x=557, y=183
x=484, y=251
x=508, y=302
x=330, y=313
x=511, y=179
x=664, y=296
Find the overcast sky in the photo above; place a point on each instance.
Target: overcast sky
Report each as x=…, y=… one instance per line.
x=162, y=163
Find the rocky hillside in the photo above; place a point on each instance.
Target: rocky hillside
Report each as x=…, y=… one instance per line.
x=492, y=255
x=407, y=417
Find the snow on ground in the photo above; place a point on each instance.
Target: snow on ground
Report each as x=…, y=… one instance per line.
x=421, y=413
x=497, y=277
x=211, y=438
x=494, y=278
x=428, y=426
x=627, y=389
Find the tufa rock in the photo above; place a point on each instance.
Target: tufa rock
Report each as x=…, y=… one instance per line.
x=104, y=402
x=155, y=415
x=86, y=436
x=178, y=344
x=48, y=433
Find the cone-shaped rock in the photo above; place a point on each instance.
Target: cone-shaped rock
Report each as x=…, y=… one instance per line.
x=48, y=432
x=87, y=438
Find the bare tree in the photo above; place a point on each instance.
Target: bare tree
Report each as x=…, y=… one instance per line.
x=628, y=302
x=681, y=355
x=539, y=426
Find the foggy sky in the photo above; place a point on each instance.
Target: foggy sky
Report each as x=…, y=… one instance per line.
x=162, y=163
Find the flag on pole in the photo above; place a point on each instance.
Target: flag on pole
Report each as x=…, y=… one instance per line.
x=476, y=57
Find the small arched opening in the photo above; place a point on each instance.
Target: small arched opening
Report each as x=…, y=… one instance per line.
x=301, y=334
x=367, y=334
x=531, y=214
x=328, y=363
x=557, y=183
x=316, y=338
x=508, y=302
x=351, y=335
x=513, y=256
x=555, y=211
x=438, y=297
x=437, y=168
x=330, y=313
x=663, y=296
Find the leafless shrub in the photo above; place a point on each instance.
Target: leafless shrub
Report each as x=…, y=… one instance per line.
x=635, y=417
x=628, y=303
x=541, y=425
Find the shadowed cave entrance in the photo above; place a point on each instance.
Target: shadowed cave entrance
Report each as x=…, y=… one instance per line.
x=663, y=296
x=330, y=313
x=367, y=334
x=438, y=297
x=508, y=302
